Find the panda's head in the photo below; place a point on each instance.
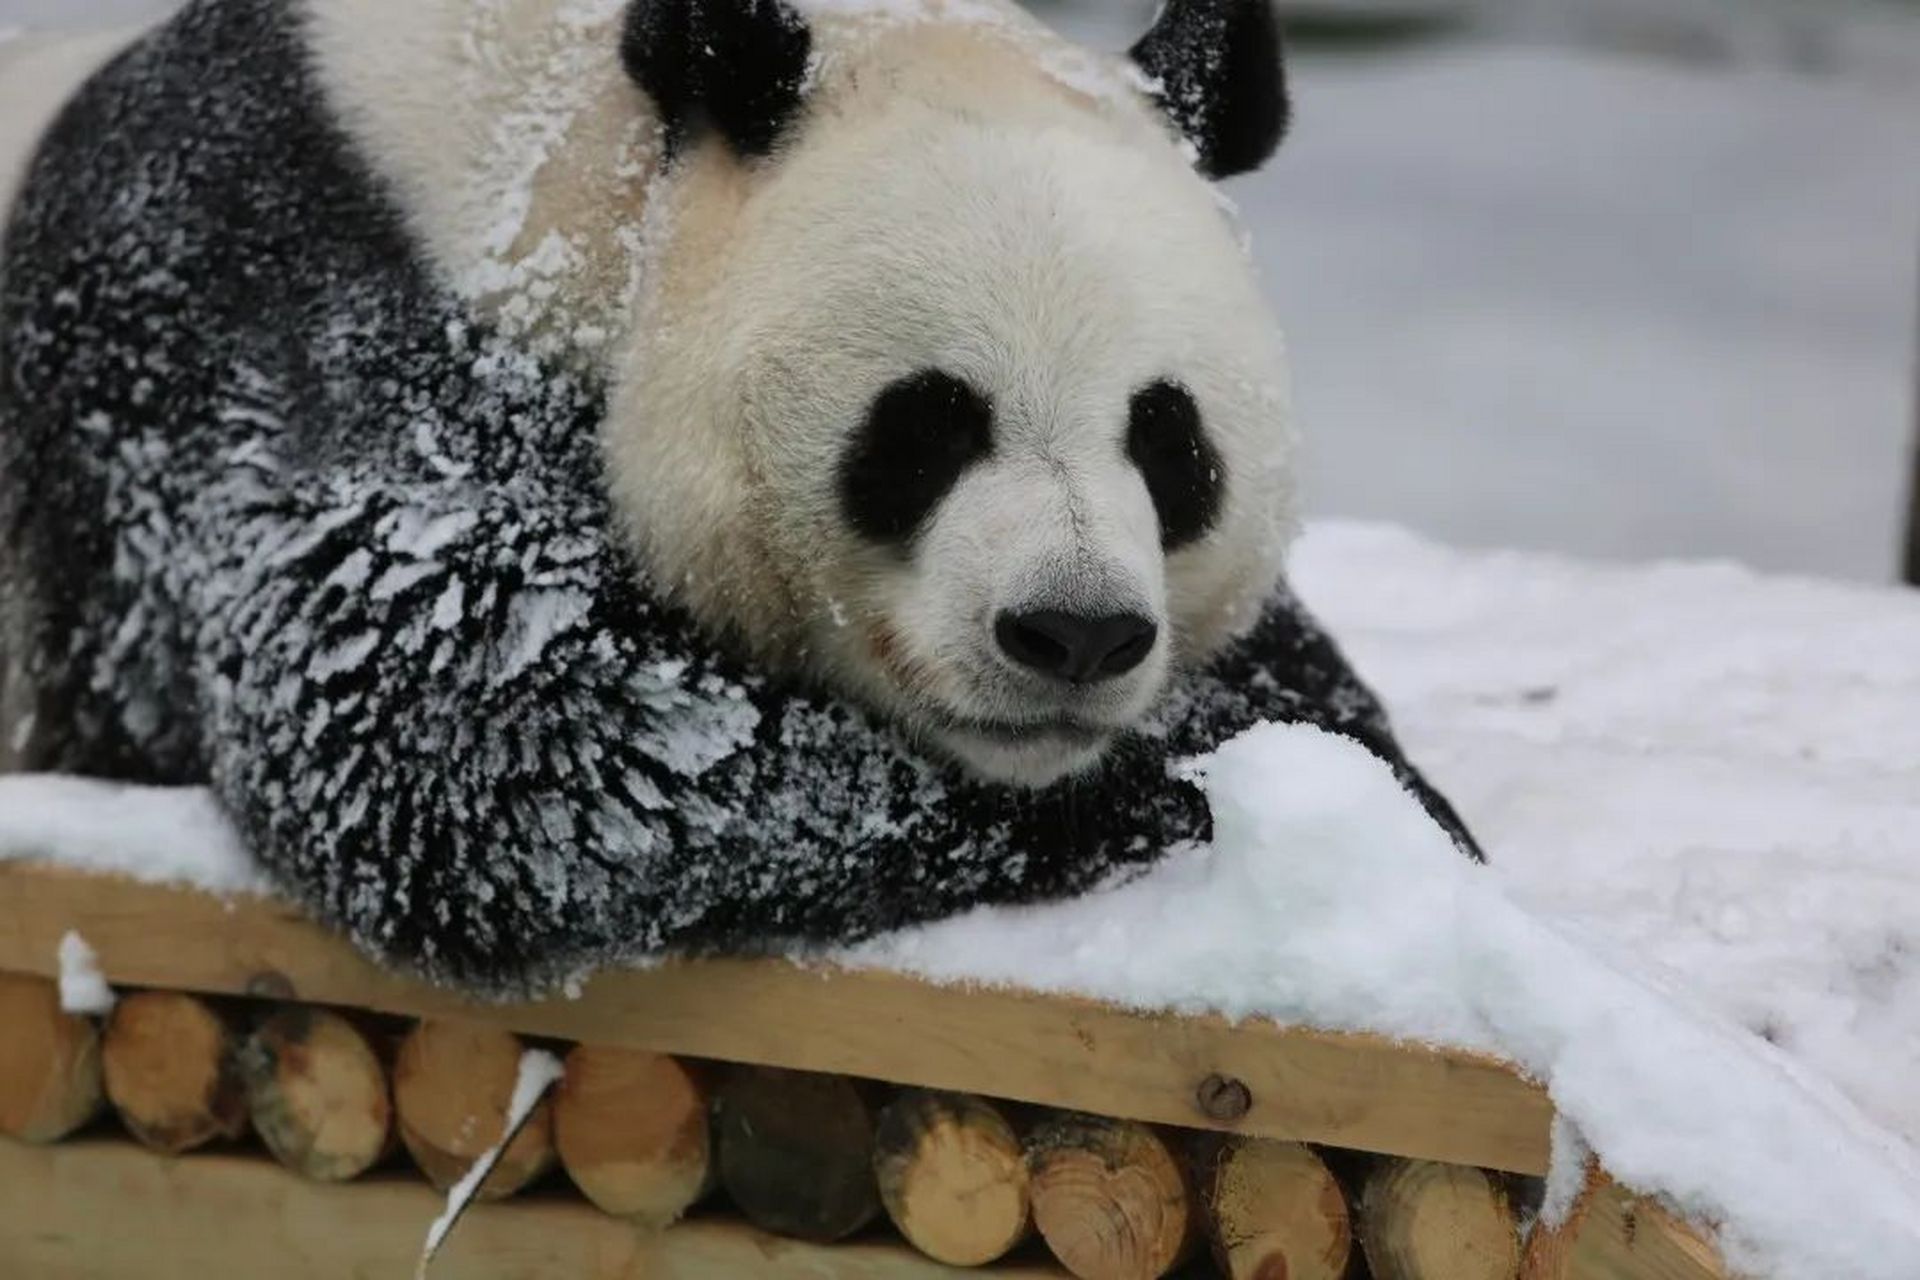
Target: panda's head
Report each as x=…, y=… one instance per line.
x=954, y=387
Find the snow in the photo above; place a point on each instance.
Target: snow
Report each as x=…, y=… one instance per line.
x=1699, y=770
x=165, y=835
x=82, y=987
x=538, y=1072
x=1329, y=897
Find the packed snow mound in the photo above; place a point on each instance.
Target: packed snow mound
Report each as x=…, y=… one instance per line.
x=1327, y=897
x=1700, y=770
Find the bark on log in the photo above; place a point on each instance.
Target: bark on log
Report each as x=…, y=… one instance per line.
x=952, y=1176
x=1425, y=1221
x=796, y=1151
x=1110, y=1198
x=632, y=1131
x=169, y=1060
x=452, y=1085
x=1274, y=1209
x=317, y=1093
x=49, y=1062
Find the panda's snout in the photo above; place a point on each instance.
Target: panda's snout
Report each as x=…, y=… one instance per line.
x=1075, y=648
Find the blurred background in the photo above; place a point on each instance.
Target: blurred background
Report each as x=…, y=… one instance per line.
x=1623, y=278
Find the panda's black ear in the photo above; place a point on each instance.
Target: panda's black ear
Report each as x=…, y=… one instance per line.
x=1216, y=70
x=738, y=66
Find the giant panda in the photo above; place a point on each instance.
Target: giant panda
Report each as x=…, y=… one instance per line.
x=582, y=478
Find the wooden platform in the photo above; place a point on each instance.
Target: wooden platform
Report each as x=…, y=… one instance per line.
x=97, y=1206
x=1353, y=1091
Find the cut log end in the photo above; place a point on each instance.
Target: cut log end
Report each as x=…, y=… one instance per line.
x=796, y=1152
x=49, y=1062
x=452, y=1085
x=1110, y=1198
x=632, y=1131
x=952, y=1176
x=317, y=1094
x=1419, y=1219
x=1274, y=1211
x=169, y=1063
x=1612, y=1232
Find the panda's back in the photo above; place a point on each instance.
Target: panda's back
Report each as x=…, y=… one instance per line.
x=195, y=262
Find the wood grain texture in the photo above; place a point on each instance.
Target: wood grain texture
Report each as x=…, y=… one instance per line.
x=317, y=1093
x=1274, y=1211
x=1355, y=1091
x=170, y=1063
x=105, y=1210
x=1111, y=1198
x=1425, y=1221
x=49, y=1062
x=953, y=1176
x=632, y=1131
x=1612, y=1234
x=452, y=1085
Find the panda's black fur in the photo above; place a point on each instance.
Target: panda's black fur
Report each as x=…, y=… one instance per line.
x=286, y=520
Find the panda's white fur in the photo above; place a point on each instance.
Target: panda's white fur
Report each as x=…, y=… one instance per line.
x=965, y=192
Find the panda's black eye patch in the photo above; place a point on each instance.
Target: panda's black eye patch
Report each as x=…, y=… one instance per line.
x=920, y=434
x=1181, y=467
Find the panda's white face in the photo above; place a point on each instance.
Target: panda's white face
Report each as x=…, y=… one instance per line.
x=998, y=425
x=936, y=370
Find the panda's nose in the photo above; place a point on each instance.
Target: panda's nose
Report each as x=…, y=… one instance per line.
x=1076, y=647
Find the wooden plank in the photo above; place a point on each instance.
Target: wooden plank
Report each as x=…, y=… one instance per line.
x=1613, y=1234
x=1354, y=1091
x=103, y=1209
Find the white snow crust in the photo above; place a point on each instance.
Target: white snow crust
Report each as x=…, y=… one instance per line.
x=538, y=1072
x=159, y=834
x=82, y=987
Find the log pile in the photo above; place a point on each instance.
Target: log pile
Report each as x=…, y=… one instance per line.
x=641, y=1161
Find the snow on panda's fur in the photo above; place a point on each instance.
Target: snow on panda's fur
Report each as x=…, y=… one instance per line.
x=549, y=465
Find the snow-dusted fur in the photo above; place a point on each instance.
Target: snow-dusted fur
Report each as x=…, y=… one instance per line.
x=966, y=192
x=400, y=502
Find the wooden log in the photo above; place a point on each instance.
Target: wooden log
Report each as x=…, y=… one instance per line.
x=632, y=1131
x=452, y=1085
x=317, y=1093
x=1110, y=1198
x=796, y=1151
x=952, y=1176
x=49, y=1062
x=1420, y=1220
x=169, y=1062
x=1274, y=1211
x=1612, y=1234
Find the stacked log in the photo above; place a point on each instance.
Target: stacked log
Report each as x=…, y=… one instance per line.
x=953, y=1176
x=49, y=1062
x=1420, y=1220
x=632, y=1132
x=966, y=1180
x=796, y=1151
x=452, y=1085
x=317, y=1093
x=169, y=1061
x=1274, y=1209
x=1110, y=1197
